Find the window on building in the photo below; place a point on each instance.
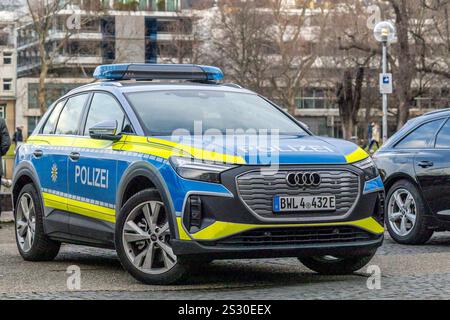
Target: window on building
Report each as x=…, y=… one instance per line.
x=164, y=5
x=7, y=57
x=71, y=114
x=421, y=137
x=7, y=84
x=32, y=123
x=53, y=91
x=2, y=111
x=97, y=114
x=314, y=99
x=82, y=48
x=4, y=38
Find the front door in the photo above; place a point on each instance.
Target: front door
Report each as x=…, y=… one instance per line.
x=92, y=168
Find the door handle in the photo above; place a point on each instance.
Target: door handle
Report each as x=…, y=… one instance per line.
x=75, y=156
x=38, y=153
x=426, y=164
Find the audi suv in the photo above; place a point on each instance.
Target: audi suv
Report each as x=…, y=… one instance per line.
x=173, y=169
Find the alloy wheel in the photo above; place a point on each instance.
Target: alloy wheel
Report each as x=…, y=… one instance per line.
x=146, y=238
x=26, y=222
x=402, y=212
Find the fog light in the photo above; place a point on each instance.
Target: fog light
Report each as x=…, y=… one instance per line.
x=195, y=212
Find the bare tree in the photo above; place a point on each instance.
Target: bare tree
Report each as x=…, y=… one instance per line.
x=420, y=55
x=344, y=65
x=295, y=48
x=240, y=42
x=185, y=46
x=349, y=93
x=44, y=15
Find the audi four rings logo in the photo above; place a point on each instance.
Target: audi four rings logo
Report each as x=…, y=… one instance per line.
x=303, y=179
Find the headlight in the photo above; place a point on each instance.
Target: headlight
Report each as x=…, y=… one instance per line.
x=194, y=169
x=369, y=168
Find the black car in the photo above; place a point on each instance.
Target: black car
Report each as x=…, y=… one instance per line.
x=415, y=167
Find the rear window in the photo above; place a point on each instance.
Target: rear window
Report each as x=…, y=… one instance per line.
x=422, y=136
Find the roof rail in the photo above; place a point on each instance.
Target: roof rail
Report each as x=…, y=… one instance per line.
x=232, y=85
x=437, y=111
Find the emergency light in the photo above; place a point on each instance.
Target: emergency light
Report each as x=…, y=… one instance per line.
x=133, y=71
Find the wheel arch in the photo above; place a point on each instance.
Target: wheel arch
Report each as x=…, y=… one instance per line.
x=24, y=174
x=138, y=177
x=397, y=177
x=402, y=176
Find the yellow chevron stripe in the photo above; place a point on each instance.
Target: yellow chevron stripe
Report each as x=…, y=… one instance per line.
x=55, y=204
x=201, y=153
x=356, y=156
x=78, y=207
x=182, y=234
x=152, y=146
x=59, y=141
x=220, y=229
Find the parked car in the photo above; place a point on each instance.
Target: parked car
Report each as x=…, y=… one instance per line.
x=415, y=167
x=102, y=169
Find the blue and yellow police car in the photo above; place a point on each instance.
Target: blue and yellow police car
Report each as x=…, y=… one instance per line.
x=173, y=169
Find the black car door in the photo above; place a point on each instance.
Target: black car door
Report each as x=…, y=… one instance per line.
x=432, y=166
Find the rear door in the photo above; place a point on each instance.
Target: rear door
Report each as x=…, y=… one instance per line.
x=428, y=162
x=50, y=158
x=433, y=171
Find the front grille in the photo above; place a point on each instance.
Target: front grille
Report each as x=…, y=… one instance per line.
x=257, y=191
x=297, y=236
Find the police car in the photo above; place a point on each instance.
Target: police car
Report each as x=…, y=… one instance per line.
x=173, y=169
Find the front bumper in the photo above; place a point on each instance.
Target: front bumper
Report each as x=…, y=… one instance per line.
x=230, y=230
x=195, y=250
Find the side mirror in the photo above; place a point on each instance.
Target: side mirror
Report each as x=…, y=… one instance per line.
x=105, y=130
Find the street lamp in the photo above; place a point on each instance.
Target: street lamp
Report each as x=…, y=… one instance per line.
x=385, y=33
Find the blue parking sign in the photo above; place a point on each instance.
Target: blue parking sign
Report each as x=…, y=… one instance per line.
x=386, y=86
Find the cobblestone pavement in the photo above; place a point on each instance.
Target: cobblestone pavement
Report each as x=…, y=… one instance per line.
x=407, y=273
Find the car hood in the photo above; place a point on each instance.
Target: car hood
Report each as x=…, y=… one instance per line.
x=258, y=150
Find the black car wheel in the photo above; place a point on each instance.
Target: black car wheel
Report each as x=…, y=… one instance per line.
x=330, y=265
x=143, y=240
x=32, y=242
x=406, y=214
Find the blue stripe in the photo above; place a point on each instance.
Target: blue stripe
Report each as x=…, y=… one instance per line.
x=374, y=185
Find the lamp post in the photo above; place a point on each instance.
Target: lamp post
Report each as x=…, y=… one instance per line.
x=385, y=33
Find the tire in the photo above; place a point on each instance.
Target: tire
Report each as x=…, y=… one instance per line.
x=165, y=268
x=40, y=247
x=420, y=232
x=336, y=266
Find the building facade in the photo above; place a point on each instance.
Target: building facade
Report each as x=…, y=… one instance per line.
x=7, y=77
x=89, y=33
x=168, y=31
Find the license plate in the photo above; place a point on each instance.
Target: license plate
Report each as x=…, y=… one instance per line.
x=304, y=204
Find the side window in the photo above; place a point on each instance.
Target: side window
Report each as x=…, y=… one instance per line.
x=443, y=138
x=71, y=114
x=421, y=137
x=104, y=107
x=50, y=125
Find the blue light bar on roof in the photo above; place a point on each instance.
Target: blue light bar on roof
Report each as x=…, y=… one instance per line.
x=135, y=71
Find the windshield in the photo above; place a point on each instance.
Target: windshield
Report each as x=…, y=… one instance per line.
x=193, y=112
